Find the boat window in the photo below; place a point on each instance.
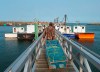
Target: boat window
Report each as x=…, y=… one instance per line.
x=75, y=27
x=67, y=27
x=14, y=29
x=61, y=27
x=82, y=27
x=21, y=28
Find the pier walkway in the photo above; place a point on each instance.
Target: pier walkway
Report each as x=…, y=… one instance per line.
x=33, y=59
x=42, y=65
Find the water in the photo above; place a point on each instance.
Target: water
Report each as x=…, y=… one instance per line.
x=95, y=44
x=10, y=49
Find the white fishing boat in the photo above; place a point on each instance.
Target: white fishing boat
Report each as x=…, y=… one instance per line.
x=66, y=31
x=24, y=32
x=78, y=31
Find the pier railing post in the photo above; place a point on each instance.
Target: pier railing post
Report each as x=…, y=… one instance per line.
x=64, y=47
x=70, y=55
x=26, y=68
x=81, y=61
x=87, y=65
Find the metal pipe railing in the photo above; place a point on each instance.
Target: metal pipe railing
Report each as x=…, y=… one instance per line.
x=24, y=61
x=87, y=54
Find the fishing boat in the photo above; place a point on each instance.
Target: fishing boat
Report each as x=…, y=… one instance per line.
x=66, y=31
x=80, y=32
x=24, y=32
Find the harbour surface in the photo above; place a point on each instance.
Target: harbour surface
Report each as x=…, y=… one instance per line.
x=92, y=44
x=11, y=49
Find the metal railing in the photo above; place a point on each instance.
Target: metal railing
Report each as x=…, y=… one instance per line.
x=26, y=60
x=83, y=55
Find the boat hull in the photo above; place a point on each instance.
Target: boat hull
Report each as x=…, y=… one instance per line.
x=27, y=36
x=87, y=40
x=84, y=35
x=69, y=35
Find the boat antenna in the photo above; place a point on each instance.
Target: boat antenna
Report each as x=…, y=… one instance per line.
x=56, y=20
x=65, y=19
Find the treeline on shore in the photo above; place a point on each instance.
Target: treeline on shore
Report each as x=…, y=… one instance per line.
x=10, y=23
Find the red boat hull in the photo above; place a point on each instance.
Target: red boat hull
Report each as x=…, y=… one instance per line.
x=84, y=35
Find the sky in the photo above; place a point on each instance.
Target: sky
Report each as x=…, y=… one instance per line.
x=48, y=10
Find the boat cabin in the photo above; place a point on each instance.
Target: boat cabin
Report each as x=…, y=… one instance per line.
x=64, y=29
x=18, y=29
x=30, y=29
x=79, y=29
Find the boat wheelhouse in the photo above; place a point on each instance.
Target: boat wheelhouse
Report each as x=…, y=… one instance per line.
x=24, y=32
x=66, y=31
x=80, y=32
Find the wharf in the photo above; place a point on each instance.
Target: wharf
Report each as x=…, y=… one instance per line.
x=33, y=59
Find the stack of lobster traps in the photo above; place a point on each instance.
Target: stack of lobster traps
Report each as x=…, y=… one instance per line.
x=55, y=55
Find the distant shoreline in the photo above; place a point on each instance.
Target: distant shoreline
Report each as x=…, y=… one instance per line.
x=94, y=24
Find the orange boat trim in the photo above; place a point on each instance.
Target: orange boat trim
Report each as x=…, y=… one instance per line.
x=85, y=35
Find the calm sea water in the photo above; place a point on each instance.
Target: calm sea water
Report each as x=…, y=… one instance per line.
x=10, y=49
x=93, y=45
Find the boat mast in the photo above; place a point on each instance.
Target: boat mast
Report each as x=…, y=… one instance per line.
x=65, y=19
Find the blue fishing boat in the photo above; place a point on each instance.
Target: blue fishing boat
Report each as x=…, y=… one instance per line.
x=66, y=31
